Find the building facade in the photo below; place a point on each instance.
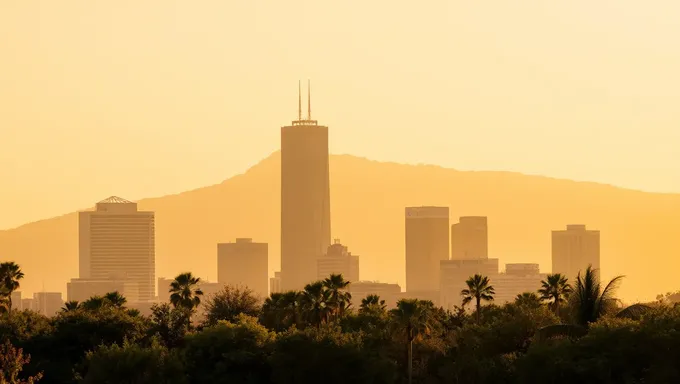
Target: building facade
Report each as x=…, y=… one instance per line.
x=117, y=242
x=454, y=273
x=275, y=283
x=83, y=289
x=244, y=263
x=339, y=261
x=47, y=303
x=388, y=292
x=517, y=279
x=305, y=201
x=470, y=238
x=427, y=244
x=574, y=249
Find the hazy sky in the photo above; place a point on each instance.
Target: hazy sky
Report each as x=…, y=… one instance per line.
x=144, y=98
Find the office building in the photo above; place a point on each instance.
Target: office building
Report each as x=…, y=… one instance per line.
x=116, y=241
x=16, y=300
x=244, y=263
x=338, y=261
x=574, y=249
x=388, y=292
x=83, y=289
x=27, y=304
x=454, y=273
x=470, y=238
x=427, y=244
x=305, y=200
x=275, y=283
x=47, y=303
x=517, y=279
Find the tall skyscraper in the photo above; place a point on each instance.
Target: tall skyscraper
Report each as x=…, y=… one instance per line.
x=427, y=243
x=574, y=249
x=470, y=238
x=244, y=263
x=338, y=260
x=305, y=200
x=117, y=242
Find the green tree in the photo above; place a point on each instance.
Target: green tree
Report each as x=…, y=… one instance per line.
x=528, y=300
x=12, y=361
x=169, y=324
x=115, y=299
x=590, y=300
x=413, y=318
x=338, y=297
x=72, y=305
x=94, y=303
x=314, y=303
x=372, y=303
x=478, y=288
x=10, y=274
x=555, y=289
x=133, y=363
x=280, y=311
x=230, y=352
x=230, y=302
x=184, y=291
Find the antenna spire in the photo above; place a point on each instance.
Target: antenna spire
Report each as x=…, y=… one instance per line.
x=299, y=101
x=309, y=100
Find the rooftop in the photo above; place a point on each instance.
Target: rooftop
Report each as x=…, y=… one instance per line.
x=114, y=200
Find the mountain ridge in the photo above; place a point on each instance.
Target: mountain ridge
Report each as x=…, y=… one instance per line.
x=367, y=201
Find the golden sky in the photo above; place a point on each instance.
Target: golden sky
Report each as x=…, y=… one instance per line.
x=144, y=98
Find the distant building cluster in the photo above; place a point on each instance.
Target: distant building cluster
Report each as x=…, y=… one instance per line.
x=117, y=246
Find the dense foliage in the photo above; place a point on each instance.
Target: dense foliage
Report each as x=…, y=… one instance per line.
x=559, y=334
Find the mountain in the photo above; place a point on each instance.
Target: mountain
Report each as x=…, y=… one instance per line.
x=639, y=231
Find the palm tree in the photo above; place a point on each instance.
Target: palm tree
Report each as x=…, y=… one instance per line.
x=528, y=300
x=115, y=299
x=184, y=291
x=314, y=300
x=70, y=306
x=590, y=300
x=555, y=289
x=281, y=310
x=413, y=318
x=94, y=303
x=338, y=297
x=372, y=303
x=478, y=289
x=10, y=274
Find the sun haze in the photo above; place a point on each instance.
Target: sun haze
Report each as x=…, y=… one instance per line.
x=145, y=98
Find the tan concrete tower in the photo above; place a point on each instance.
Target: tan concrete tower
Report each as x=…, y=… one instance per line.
x=305, y=200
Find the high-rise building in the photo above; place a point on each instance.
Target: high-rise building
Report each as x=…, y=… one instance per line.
x=16, y=300
x=116, y=241
x=470, y=238
x=305, y=200
x=339, y=261
x=517, y=279
x=47, y=303
x=454, y=273
x=388, y=292
x=574, y=249
x=275, y=283
x=27, y=304
x=244, y=263
x=427, y=244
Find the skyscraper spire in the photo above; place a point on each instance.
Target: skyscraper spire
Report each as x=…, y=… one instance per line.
x=309, y=100
x=299, y=101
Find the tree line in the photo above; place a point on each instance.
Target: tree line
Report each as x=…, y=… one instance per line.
x=561, y=333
